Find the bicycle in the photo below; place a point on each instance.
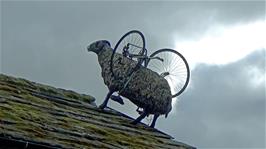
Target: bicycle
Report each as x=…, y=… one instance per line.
x=168, y=63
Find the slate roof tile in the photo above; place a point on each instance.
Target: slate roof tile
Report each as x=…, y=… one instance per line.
x=34, y=115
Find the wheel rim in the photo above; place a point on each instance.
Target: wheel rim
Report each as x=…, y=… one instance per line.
x=174, y=68
x=135, y=42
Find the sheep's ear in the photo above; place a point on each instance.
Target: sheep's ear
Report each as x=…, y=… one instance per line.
x=107, y=42
x=102, y=43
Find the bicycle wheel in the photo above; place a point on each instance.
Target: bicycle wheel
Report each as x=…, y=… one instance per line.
x=173, y=67
x=132, y=43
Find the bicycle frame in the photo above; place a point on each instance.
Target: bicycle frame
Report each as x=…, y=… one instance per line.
x=134, y=45
x=145, y=58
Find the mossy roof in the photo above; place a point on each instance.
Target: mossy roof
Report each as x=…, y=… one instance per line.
x=58, y=118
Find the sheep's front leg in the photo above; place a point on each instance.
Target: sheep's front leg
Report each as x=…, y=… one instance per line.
x=104, y=104
x=144, y=114
x=154, y=120
x=117, y=99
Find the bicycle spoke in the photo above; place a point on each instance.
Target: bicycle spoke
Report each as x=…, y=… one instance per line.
x=177, y=67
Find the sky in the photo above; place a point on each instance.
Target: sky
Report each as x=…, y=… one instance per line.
x=223, y=42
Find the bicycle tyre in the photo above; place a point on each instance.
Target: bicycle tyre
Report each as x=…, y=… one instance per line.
x=126, y=39
x=173, y=67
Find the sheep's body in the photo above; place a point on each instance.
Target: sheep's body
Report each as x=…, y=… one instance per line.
x=146, y=88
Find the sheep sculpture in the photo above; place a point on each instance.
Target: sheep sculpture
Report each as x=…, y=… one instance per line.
x=146, y=88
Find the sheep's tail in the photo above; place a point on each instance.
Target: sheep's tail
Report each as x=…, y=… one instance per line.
x=169, y=106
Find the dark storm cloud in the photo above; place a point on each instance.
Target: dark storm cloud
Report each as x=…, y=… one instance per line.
x=71, y=21
x=223, y=108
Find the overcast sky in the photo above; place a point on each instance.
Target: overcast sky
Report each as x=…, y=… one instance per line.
x=224, y=43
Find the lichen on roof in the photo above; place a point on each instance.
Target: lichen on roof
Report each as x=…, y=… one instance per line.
x=60, y=118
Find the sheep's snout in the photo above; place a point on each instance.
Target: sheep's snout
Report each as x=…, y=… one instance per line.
x=98, y=46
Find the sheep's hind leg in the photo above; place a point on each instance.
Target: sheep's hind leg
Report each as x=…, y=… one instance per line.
x=154, y=120
x=144, y=114
x=104, y=104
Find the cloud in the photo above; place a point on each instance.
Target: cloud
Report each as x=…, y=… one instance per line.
x=222, y=108
x=190, y=20
x=224, y=44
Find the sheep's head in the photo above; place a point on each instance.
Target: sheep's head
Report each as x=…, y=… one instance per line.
x=97, y=46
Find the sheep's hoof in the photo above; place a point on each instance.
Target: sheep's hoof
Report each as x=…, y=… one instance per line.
x=139, y=111
x=102, y=106
x=152, y=125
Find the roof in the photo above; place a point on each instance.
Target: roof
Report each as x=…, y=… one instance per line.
x=34, y=115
